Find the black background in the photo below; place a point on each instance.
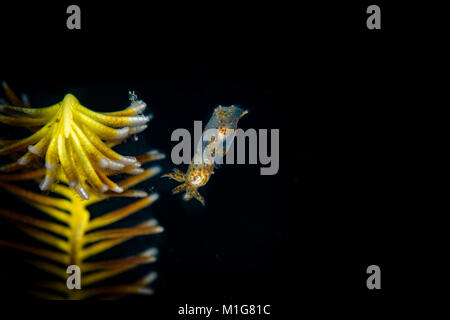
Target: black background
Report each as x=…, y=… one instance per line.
x=296, y=240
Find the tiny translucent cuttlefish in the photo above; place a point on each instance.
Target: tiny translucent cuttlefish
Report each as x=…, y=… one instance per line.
x=221, y=126
x=74, y=141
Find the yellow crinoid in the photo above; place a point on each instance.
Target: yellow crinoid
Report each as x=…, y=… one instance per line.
x=65, y=229
x=68, y=234
x=74, y=142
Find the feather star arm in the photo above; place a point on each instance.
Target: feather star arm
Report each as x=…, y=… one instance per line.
x=74, y=142
x=76, y=145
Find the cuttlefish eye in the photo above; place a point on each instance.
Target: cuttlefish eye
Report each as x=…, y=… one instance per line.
x=196, y=179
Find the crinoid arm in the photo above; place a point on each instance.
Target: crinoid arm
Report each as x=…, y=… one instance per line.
x=71, y=157
x=74, y=142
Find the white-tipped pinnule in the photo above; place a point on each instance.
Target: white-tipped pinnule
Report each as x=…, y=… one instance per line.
x=138, y=129
x=34, y=150
x=145, y=290
x=82, y=192
x=104, y=163
x=23, y=161
x=136, y=165
x=138, y=120
x=152, y=222
x=122, y=133
x=37, y=149
x=49, y=166
x=104, y=188
x=137, y=194
x=127, y=160
x=152, y=252
x=150, y=277
x=46, y=183
x=138, y=105
x=115, y=165
x=156, y=170
x=151, y=198
x=117, y=189
x=157, y=155
x=73, y=184
x=111, y=164
x=136, y=171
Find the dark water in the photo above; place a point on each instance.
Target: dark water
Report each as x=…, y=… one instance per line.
x=238, y=246
x=260, y=239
